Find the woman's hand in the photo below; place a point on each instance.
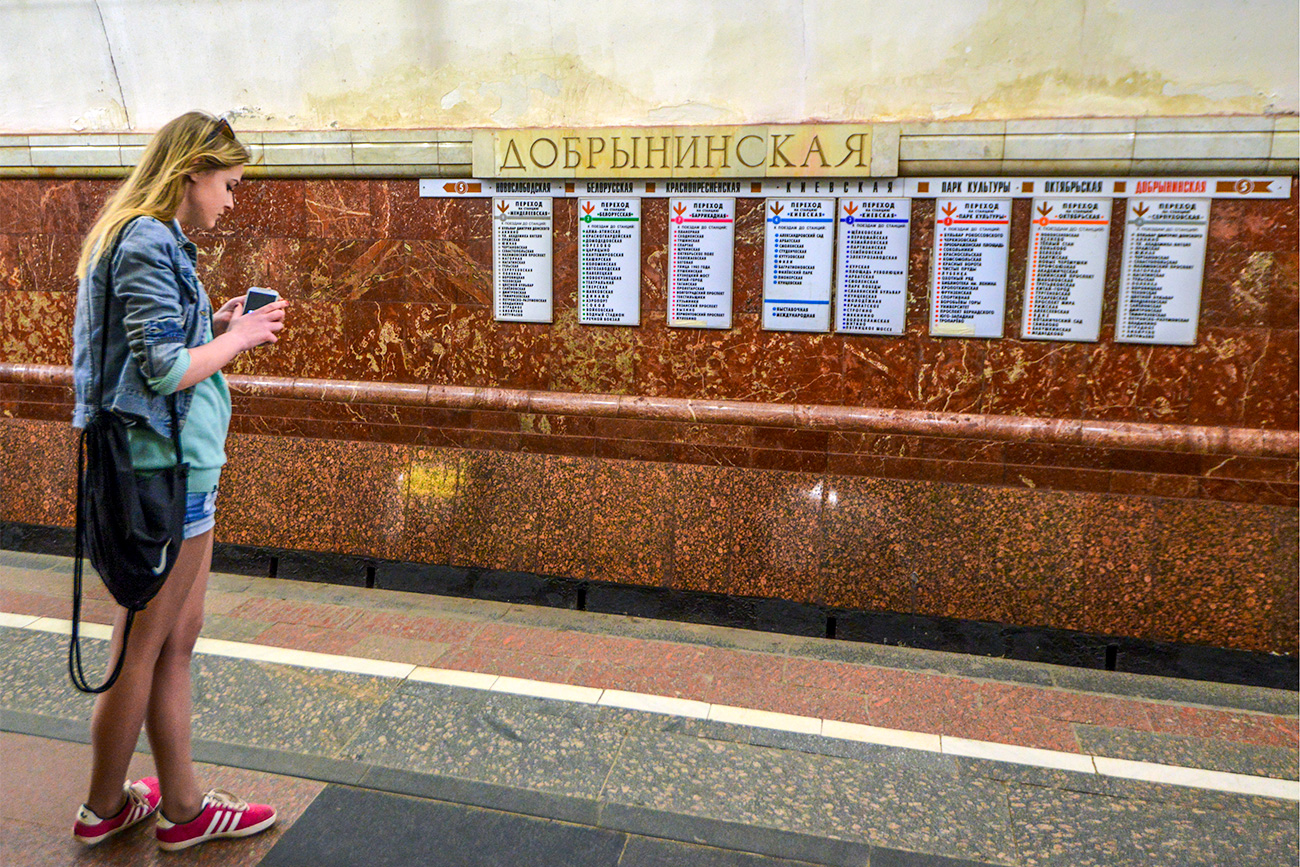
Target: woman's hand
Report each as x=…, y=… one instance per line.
x=242, y=332
x=221, y=319
x=256, y=328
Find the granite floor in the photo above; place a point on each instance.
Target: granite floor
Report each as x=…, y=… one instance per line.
x=394, y=728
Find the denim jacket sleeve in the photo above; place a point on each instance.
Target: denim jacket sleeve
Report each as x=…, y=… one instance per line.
x=159, y=312
x=158, y=288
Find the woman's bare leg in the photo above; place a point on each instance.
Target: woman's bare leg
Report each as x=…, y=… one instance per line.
x=166, y=624
x=168, y=720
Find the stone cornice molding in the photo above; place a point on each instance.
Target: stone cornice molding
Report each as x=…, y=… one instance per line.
x=1237, y=145
x=1184, y=439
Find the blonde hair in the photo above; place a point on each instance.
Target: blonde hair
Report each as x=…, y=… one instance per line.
x=194, y=142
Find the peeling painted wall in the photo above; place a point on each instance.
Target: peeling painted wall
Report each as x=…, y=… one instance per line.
x=116, y=65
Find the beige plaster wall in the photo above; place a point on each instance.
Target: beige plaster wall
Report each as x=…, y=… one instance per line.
x=115, y=65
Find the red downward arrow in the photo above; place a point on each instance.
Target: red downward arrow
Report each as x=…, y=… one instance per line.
x=588, y=208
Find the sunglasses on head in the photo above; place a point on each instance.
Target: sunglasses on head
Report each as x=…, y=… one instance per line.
x=221, y=129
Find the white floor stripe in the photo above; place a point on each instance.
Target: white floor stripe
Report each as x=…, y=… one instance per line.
x=1196, y=778
x=64, y=627
x=1018, y=755
x=542, y=689
x=1151, y=772
x=451, y=677
x=765, y=719
x=303, y=658
x=883, y=737
x=663, y=704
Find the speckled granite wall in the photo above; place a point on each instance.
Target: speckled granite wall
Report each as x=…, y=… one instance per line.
x=1175, y=544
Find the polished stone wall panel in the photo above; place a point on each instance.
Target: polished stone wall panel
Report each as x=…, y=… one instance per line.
x=265, y=209
x=38, y=472
x=747, y=533
x=346, y=242
x=280, y=492
x=1206, y=591
x=1284, y=305
x=1035, y=378
x=1218, y=573
x=950, y=374
x=631, y=524
x=954, y=544
x=1273, y=402
x=1017, y=262
x=564, y=503
x=38, y=327
x=14, y=275
x=347, y=209
x=371, y=500
x=883, y=372
x=511, y=520
x=599, y=359
x=704, y=529
x=21, y=213
x=433, y=490
x=874, y=543
x=385, y=286
x=779, y=543
x=51, y=260
x=1036, y=541
x=1120, y=562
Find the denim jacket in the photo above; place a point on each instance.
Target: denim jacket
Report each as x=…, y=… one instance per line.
x=159, y=310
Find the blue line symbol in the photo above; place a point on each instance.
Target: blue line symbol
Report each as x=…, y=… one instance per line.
x=776, y=221
x=852, y=221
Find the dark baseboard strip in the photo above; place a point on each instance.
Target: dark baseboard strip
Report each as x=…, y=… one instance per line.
x=1023, y=643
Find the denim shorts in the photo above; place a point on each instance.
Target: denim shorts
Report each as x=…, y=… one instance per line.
x=200, y=513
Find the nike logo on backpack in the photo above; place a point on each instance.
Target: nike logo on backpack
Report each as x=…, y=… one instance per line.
x=162, y=559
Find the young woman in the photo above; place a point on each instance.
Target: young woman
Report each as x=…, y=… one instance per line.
x=164, y=339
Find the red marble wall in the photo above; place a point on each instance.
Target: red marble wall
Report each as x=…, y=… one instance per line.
x=1171, y=544
x=391, y=287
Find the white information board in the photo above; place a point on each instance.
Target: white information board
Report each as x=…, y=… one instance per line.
x=871, y=265
x=701, y=258
x=968, y=286
x=798, y=264
x=609, y=261
x=1066, y=271
x=1161, y=272
x=521, y=260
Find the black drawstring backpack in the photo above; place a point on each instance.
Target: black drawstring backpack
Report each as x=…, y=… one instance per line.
x=131, y=524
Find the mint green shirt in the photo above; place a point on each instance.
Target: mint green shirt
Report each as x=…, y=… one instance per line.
x=203, y=435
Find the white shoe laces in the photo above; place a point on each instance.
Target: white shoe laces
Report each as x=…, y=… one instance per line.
x=222, y=798
x=136, y=793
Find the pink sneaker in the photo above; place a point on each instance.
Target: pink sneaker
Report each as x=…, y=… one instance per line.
x=222, y=815
x=141, y=802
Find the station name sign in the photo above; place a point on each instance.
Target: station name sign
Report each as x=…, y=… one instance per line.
x=828, y=150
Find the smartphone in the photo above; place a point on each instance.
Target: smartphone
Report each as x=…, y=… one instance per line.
x=259, y=297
